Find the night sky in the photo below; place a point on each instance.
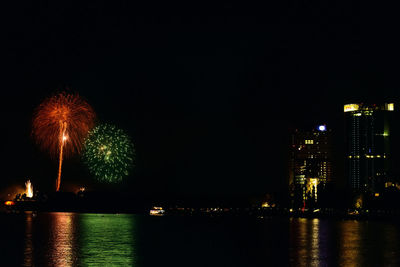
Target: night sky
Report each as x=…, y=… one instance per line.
x=209, y=94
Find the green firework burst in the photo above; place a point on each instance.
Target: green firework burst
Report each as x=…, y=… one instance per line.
x=108, y=153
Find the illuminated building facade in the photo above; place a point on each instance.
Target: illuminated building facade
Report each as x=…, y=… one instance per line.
x=367, y=145
x=310, y=164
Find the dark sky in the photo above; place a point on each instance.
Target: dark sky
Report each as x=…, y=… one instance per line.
x=209, y=94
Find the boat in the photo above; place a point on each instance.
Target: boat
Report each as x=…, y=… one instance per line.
x=157, y=211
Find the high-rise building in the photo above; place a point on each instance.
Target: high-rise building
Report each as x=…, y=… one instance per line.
x=310, y=163
x=367, y=132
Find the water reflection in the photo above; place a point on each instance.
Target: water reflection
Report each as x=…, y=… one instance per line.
x=350, y=243
x=315, y=242
x=69, y=239
x=315, y=252
x=392, y=242
x=28, y=242
x=106, y=239
x=62, y=239
x=305, y=242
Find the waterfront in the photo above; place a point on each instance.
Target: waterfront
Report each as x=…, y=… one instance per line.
x=73, y=239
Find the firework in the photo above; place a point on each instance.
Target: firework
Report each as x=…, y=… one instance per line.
x=29, y=189
x=108, y=153
x=60, y=125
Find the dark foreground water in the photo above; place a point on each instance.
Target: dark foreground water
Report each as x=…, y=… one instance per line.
x=72, y=239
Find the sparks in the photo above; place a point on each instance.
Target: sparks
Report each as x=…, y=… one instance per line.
x=58, y=119
x=29, y=189
x=108, y=153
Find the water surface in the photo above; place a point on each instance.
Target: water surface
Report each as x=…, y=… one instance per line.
x=72, y=239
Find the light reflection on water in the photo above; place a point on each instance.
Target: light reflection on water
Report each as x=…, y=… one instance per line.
x=392, y=241
x=62, y=241
x=317, y=242
x=107, y=239
x=305, y=242
x=350, y=243
x=71, y=239
x=28, y=249
x=55, y=242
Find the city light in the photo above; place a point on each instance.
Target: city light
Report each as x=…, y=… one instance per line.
x=390, y=106
x=351, y=107
x=322, y=128
x=9, y=203
x=265, y=205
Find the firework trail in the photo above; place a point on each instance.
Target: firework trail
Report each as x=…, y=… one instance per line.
x=60, y=124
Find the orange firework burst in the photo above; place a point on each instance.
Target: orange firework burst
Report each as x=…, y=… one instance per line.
x=60, y=124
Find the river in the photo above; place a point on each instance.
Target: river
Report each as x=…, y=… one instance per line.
x=74, y=239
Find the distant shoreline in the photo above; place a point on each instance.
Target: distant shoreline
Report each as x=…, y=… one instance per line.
x=23, y=207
